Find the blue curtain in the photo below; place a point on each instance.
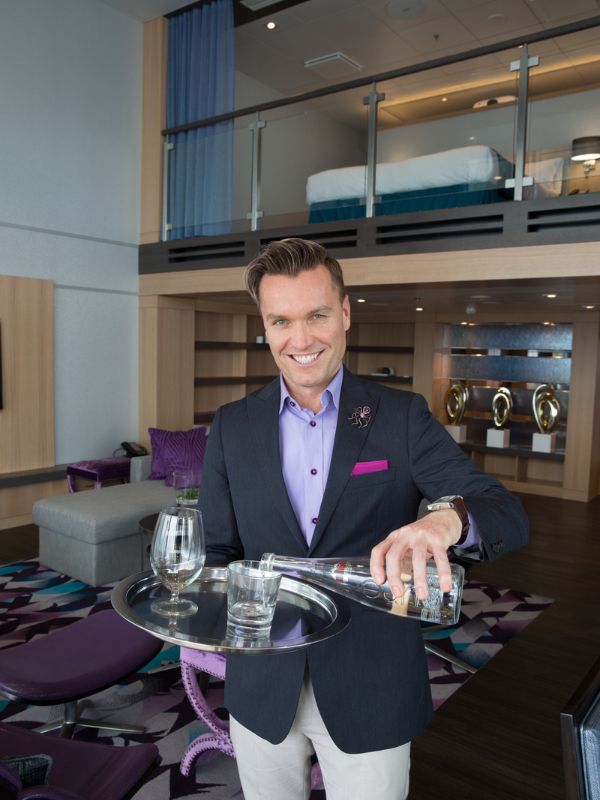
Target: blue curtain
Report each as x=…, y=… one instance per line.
x=201, y=84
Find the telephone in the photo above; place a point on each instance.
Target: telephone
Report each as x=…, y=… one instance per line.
x=133, y=449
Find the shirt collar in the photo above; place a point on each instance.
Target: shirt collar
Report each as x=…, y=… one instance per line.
x=331, y=393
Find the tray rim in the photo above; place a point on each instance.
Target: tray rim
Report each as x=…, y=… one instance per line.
x=144, y=581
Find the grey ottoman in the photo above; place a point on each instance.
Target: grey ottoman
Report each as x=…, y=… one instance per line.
x=94, y=535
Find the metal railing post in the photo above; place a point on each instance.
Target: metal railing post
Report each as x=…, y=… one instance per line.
x=166, y=226
x=372, y=100
x=255, y=212
x=522, y=66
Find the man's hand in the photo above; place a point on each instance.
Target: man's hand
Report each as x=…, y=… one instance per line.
x=431, y=535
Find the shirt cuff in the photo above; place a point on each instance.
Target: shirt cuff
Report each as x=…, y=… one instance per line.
x=473, y=538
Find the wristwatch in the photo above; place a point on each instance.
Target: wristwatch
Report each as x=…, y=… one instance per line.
x=456, y=502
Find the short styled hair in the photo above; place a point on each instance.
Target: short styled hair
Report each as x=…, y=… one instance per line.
x=290, y=257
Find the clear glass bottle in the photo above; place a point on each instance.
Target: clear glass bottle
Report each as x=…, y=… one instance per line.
x=352, y=578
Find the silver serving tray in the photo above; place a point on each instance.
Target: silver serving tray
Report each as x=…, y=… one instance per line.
x=304, y=615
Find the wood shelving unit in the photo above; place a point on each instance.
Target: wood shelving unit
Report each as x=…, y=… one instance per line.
x=569, y=472
x=229, y=362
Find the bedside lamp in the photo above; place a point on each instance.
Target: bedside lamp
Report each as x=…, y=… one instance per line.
x=586, y=149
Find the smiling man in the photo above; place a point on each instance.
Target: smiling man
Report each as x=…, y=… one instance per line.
x=321, y=463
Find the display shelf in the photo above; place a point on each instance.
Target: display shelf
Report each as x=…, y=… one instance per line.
x=204, y=345
x=405, y=379
x=351, y=348
x=520, y=452
x=202, y=417
x=371, y=348
x=232, y=379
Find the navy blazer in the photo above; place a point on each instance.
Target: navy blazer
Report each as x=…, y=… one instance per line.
x=370, y=681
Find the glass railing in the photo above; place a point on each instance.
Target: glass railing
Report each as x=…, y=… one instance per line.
x=564, y=119
x=463, y=133
x=304, y=147
x=445, y=138
x=209, y=180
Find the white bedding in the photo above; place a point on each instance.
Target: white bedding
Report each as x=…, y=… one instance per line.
x=473, y=164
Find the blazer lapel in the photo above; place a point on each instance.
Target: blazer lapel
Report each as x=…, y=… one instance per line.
x=350, y=437
x=263, y=412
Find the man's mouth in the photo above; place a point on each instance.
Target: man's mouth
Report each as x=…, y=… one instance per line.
x=306, y=359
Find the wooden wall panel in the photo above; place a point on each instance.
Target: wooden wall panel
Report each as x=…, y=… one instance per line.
x=16, y=502
x=154, y=118
x=166, y=388
x=513, y=263
x=582, y=457
x=27, y=419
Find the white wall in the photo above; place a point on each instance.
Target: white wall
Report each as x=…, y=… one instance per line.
x=70, y=91
x=553, y=124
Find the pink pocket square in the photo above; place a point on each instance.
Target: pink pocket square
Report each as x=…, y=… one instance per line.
x=363, y=467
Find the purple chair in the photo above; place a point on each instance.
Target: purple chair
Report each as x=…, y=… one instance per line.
x=78, y=770
x=204, y=699
x=74, y=662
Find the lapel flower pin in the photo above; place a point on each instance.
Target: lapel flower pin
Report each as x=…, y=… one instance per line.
x=361, y=416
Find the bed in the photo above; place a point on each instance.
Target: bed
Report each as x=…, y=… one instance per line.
x=459, y=177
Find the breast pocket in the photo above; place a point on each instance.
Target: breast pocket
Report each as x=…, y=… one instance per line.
x=371, y=478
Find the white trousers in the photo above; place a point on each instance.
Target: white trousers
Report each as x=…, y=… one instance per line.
x=282, y=771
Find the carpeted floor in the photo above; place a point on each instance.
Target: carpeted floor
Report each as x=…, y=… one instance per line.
x=35, y=601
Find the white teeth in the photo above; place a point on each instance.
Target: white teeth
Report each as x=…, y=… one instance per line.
x=305, y=359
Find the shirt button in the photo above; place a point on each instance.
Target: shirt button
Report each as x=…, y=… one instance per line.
x=313, y=424
x=292, y=403
x=314, y=520
x=313, y=471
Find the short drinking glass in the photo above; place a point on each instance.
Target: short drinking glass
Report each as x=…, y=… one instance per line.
x=177, y=556
x=251, y=596
x=187, y=487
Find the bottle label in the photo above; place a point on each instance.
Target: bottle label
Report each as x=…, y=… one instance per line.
x=341, y=571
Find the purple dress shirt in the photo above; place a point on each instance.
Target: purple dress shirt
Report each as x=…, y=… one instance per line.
x=306, y=446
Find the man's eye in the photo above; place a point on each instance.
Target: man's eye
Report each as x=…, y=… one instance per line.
x=279, y=322
x=319, y=316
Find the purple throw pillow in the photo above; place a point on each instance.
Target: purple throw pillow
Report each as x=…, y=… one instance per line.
x=176, y=450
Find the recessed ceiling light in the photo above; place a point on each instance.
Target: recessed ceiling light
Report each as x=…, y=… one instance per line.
x=548, y=323
x=550, y=295
x=361, y=300
x=589, y=308
x=419, y=308
x=464, y=323
x=270, y=25
x=444, y=99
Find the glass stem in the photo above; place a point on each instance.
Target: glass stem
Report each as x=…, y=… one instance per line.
x=175, y=597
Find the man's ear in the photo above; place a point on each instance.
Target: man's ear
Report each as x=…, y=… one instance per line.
x=346, y=312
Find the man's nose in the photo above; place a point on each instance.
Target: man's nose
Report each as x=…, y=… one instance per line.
x=301, y=337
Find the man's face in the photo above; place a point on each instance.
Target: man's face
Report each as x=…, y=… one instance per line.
x=306, y=323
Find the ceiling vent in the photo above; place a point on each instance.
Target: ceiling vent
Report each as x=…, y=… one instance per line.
x=333, y=65
x=256, y=5
x=404, y=9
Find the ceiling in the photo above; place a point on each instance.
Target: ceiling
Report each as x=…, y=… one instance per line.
x=485, y=298
x=383, y=35
x=415, y=31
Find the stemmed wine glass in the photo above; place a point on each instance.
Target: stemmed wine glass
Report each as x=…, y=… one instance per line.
x=177, y=556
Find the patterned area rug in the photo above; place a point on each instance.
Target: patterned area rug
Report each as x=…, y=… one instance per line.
x=35, y=601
